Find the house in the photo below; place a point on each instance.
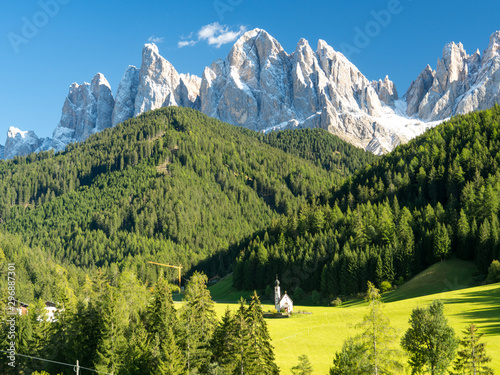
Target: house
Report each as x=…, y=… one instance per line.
x=282, y=303
x=20, y=307
x=50, y=311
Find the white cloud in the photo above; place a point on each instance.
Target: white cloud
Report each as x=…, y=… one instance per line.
x=186, y=43
x=155, y=39
x=214, y=34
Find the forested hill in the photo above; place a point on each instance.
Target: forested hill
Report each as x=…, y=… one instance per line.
x=436, y=196
x=172, y=185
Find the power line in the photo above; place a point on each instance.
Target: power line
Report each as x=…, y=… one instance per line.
x=59, y=363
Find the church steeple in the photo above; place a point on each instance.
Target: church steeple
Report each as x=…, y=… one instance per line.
x=277, y=294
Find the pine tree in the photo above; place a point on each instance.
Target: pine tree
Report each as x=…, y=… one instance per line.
x=471, y=356
x=464, y=250
x=372, y=351
x=263, y=358
x=346, y=362
x=137, y=356
x=442, y=242
x=380, y=356
x=430, y=342
x=242, y=352
x=221, y=343
x=388, y=268
x=170, y=361
x=304, y=366
x=161, y=325
x=379, y=271
x=111, y=330
x=198, y=319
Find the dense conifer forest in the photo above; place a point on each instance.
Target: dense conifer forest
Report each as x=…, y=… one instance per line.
x=175, y=186
x=435, y=197
x=171, y=186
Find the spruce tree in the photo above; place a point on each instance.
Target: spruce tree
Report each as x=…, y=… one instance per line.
x=111, y=331
x=161, y=325
x=263, y=358
x=222, y=343
x=242, y=352
x=137, y=355
x=442, y=242
x=471, y=356
x=464, y=250
x=346, y=362
x=304, y=367
x=198, y=319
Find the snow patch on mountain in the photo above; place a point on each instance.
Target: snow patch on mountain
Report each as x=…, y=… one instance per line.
x=20, y=143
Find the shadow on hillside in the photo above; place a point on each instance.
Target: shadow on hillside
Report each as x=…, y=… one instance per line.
x=454, y=274
x=485, y=310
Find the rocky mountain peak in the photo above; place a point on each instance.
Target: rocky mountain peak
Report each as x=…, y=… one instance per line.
x=150, y=51
x=20, y=143
x=254, y=48
x=418, y=89
x=262, y=87
x=453, y=66
x=158, y=82
x=14, y=132
x=125, y=96
x=493, y=49
x=386, y=91
x=87, y=109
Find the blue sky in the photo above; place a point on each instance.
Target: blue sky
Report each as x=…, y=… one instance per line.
x=47, y=45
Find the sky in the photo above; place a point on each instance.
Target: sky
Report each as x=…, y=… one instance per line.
x=46, y=45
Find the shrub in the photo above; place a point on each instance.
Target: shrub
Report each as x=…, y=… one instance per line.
x=494, y=272
x=316, y=297
x=336, y=302
x=399, y=281
x=269, y=293
x=298, y=294
x=385, y=286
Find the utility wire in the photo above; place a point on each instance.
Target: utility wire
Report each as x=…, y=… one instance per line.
x=59, y=363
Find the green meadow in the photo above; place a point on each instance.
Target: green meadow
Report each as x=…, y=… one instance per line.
x=321, y=334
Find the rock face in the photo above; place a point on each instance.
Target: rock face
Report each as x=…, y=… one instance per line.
x=20, y=143
x=125, y=96
x=386, y=91
x=461, y=83
x=88, y=109
x=160, y=85
x=262, y=87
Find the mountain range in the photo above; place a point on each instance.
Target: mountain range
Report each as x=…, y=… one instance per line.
x=262, y=87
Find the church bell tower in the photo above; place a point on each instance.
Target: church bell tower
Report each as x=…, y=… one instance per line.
x=277, y=294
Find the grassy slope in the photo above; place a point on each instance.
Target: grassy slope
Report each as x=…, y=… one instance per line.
x=321, y=334
x=224, y=292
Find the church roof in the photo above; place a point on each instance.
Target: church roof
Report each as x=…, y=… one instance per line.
x=287, y=296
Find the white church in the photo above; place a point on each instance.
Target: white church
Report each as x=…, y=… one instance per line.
x=283, y=303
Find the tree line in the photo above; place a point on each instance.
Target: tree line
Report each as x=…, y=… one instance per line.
x=436, y=197
x=171, y=185
x=121, y=327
